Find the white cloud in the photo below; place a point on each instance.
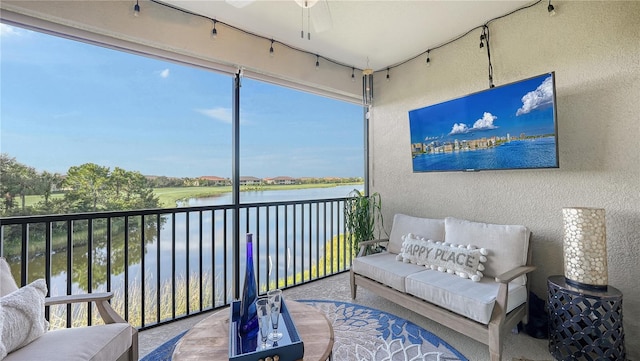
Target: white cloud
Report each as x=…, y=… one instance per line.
x=220, y=114
x=7, y=30
x=484, y=123
x=459, y=128
x=164, y=73
x=539, y=98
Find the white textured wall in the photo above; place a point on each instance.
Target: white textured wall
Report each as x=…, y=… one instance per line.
x=594, y=48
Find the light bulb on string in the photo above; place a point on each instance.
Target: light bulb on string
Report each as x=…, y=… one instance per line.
x=136, y=9
x=353, y=75
x=214, y=31
x=428, y=59
x=271, y=49
x=317, y=61
x=388, y=77
x=551, y=9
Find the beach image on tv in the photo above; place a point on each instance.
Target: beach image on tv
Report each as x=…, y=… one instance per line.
x=507, y=127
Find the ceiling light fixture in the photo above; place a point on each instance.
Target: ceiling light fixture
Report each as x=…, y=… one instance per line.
x=271, y=49
x=136, y=9
x=551, y=9
x=214, y=32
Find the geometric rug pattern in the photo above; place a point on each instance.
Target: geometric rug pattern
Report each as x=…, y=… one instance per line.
x=364, y=334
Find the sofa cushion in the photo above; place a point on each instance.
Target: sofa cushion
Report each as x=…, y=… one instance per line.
x=424, y=227
x=7, y=283
x=22, y=317
x=384, y=268
x=464, y=261
x=93, y=343
x=508, y=244
x=474, y=300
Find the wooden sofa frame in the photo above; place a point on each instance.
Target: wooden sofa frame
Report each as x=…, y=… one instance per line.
x=107, y=313
x=491, y=334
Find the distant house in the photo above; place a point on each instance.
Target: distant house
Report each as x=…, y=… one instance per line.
x=281, y=180
x=216, y=181
x=250, y=181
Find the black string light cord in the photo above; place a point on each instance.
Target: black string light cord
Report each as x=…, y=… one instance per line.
x=485, y=28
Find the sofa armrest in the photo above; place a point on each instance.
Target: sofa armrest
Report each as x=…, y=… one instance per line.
x=514, y=273
x=107, y=313
x=365, y=246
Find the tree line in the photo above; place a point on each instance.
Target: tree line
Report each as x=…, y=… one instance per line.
x=86, y=188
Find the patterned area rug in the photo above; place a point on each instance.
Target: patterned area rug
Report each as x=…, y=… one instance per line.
x=364, y=334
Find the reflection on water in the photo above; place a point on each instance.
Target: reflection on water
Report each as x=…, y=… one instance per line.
x=289, y=240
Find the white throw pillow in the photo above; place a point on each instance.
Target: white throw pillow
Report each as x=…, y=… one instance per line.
x=22, y=317
x=7, y=283
x=465, y=261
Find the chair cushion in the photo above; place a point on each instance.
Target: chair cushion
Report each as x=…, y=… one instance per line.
x=507, y=244
x=384, y=268
x=7, y=283
x=427, y=228
x=93, y=343
x=474, y=300
x=22, y=317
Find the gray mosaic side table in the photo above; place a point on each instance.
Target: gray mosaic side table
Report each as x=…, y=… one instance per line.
x=584, y=324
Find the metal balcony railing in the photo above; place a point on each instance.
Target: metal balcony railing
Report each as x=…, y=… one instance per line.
x=167, y=264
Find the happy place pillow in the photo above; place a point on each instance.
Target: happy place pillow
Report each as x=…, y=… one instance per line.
x=22, y=317
x=464, y=261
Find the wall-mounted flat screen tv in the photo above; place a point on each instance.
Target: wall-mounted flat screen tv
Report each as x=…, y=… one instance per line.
x=512, y=126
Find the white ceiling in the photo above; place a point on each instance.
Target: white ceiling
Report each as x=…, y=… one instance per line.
x=364, y=33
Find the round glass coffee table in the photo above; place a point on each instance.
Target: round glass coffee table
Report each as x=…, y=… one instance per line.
x=209, y=338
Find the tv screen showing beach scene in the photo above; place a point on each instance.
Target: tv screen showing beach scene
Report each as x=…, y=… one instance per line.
x=507, y=127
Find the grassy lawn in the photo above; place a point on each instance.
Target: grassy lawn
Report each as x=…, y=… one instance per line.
x=169, y=196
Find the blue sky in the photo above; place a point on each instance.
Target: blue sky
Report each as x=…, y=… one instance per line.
x=521, y=107
x=66, y=103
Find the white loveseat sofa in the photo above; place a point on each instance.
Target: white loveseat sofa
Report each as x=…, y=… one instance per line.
x=482, y=310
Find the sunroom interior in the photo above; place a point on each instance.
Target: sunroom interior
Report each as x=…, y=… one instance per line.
x=592, y=46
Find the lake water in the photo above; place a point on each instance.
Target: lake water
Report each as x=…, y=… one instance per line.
x=297, y=250
x=529, y=153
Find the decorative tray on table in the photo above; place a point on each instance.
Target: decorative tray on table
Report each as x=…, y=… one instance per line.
x=289, y=348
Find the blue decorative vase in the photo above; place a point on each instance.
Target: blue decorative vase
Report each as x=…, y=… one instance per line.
x=248, y=314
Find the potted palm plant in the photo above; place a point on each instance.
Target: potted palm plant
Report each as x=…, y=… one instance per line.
x=361, y=214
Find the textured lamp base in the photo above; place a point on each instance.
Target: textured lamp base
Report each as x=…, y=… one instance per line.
x=584, y=324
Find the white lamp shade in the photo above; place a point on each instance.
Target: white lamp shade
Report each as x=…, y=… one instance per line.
x=585, y=246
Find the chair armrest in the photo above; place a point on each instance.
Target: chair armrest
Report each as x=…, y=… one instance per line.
x=365, y=245
x=514, y=273
x=107, y=313
x=79, y=298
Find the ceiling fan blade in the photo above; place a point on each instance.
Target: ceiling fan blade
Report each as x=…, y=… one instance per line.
x=321, y=16
x=239, y=3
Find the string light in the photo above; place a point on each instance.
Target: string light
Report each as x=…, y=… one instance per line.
x=136, y=9
x=369, y=75
x=551, y=9
x=388, y=78
x=353, y=75
x=271, y=49
x=214, y=32
x=482, y=37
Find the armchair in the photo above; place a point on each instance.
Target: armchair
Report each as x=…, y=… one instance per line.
x=115, y=340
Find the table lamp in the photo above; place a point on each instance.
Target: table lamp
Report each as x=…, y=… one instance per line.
x=585, y=247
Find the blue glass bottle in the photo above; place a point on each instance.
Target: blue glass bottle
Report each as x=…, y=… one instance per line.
x=248, y=313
